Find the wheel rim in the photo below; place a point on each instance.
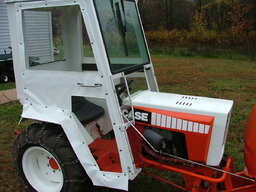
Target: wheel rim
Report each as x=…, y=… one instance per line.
x=5, y=78
x=42, y=170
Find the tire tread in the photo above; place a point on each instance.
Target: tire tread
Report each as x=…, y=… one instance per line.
x=52, y=138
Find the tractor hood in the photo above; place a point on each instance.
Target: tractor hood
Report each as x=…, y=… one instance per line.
x=182, y=103
x=193, y=115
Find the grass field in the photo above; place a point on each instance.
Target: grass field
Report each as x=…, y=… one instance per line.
x=218, y=78
x=5, y=86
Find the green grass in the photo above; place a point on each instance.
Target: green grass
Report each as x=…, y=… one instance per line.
x=218, y=78
x=87, y=51
x=9, y=118
x=5, y=86
x=10, y=112
x=226, y=84
x=203, y=51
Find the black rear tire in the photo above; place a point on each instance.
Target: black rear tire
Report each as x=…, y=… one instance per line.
x=51, y=138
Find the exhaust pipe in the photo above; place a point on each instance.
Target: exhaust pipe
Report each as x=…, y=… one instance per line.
x=250, y=145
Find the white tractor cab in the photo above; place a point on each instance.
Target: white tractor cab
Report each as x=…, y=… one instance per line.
x=84, y=73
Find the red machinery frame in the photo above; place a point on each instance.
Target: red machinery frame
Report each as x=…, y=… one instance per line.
x=202, y=179
x=197, y=178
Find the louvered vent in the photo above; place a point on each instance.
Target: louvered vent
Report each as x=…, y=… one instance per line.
x=183, y=103
x=189, y=97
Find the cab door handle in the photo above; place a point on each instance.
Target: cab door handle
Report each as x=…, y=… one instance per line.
x=95, y=85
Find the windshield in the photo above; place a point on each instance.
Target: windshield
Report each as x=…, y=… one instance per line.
x=122, y=34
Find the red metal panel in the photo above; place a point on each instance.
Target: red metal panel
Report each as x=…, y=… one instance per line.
x=250, y=145
x=197, y=143
x=106, y=154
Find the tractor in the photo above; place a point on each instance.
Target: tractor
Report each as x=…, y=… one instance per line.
x=85, y=77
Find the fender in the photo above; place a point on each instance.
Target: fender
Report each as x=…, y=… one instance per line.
x=79, y=140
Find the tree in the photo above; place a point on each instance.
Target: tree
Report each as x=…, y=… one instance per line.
x=217, y=14
x=169, y=14
x=198, y=22
x=243, y=18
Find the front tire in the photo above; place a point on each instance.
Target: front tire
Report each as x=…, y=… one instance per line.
x=46, y=161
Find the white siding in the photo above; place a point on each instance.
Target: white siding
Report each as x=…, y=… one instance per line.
x=38, y=35
x=4, y=29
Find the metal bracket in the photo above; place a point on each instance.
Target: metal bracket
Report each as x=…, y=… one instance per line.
x=124, y=127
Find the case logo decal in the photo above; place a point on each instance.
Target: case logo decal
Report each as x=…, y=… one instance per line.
x=142, y=116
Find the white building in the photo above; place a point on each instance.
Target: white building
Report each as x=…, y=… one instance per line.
x=37, y=33
x=4, y=29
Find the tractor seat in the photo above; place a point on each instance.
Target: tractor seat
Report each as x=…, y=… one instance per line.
x=86, y=111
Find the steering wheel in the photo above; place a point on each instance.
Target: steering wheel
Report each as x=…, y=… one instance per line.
x=120, y=88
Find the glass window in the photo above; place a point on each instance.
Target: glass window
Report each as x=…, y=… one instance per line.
x=56, y=39
x=122, y=34
x=88, y=62
x=87, y=48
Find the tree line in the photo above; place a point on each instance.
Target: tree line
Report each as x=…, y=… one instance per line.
x=212, y=23
x=238, y=16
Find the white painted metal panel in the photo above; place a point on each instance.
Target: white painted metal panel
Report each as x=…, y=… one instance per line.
x=5, y=41
x=46, y=95
x=38, y=89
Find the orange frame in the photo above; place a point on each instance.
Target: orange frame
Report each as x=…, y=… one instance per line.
x=196, y=176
